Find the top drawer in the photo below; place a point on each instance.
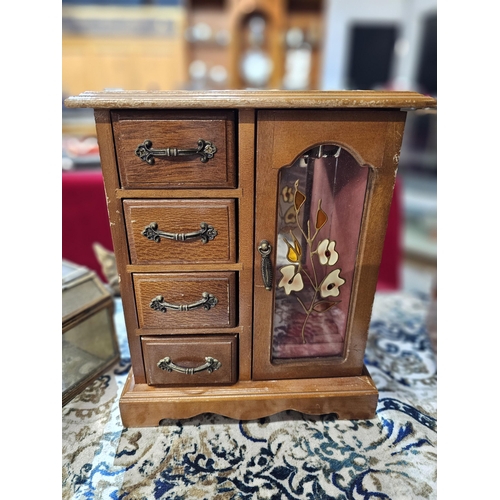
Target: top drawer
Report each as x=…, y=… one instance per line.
x=173, y=141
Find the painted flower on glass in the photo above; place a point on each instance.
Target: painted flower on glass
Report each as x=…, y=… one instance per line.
x=299, y=197
x=296, y=271
x=327, y=253
x=292, y=280
x=288, y=194
x=294, y=253
x=331, y=284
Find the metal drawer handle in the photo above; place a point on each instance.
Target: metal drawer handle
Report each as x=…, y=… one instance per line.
x=207, y=302
x=205, y=234
x=265, y=249
x=210, y=366
x=205, y=151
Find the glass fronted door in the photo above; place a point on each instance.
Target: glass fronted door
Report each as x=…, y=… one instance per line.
x=315, y=171
x=320, y=205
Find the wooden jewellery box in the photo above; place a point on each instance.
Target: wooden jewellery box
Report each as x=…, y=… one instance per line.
x=248, y=229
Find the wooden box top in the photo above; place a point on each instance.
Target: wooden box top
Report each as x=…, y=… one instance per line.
x=241, y=99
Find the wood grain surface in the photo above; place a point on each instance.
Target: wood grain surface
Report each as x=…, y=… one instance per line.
x=190, y=352
x=259, y=99
x=183, y=289
x=347, y=397
x=181, y=130
x=181, y=216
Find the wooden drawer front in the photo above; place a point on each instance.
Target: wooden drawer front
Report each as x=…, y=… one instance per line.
x=181, y=217
x=191, y=352
x=180, y=130
x=189, y=300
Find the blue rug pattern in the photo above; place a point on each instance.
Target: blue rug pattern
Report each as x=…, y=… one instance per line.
x=285, y=456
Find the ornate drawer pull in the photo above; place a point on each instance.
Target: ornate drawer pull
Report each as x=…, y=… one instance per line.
x=210, y=366
x=205, y=234
x=207, y=302
x=265, y=249
x=205, y=150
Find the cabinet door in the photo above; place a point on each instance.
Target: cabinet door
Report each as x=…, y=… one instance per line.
x=324, y=182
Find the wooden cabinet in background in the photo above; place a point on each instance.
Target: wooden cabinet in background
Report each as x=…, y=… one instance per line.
x=239, y=44
x=133, y=47
x=198, y=44
x=248, y=290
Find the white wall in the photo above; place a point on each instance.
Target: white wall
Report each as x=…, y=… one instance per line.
x=341, y=14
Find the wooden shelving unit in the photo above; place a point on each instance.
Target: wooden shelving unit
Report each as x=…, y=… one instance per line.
x=220, y=36
x=132, y=47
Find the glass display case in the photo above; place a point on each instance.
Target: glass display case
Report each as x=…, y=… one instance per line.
x=89, y=343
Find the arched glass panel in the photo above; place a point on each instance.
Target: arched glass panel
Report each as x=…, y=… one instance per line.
x=321, y=198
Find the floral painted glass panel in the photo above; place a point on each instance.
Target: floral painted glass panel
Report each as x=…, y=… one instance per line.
x=321, y=198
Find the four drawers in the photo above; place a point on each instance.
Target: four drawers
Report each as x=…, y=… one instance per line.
x=185, y=300
x=190, y=360
x=176, y=134
x=186, y=231
x=158, y=149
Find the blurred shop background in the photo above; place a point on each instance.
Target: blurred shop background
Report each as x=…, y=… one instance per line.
x=283, y=44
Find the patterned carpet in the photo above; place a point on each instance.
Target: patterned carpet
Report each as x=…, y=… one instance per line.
x=286, y=456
